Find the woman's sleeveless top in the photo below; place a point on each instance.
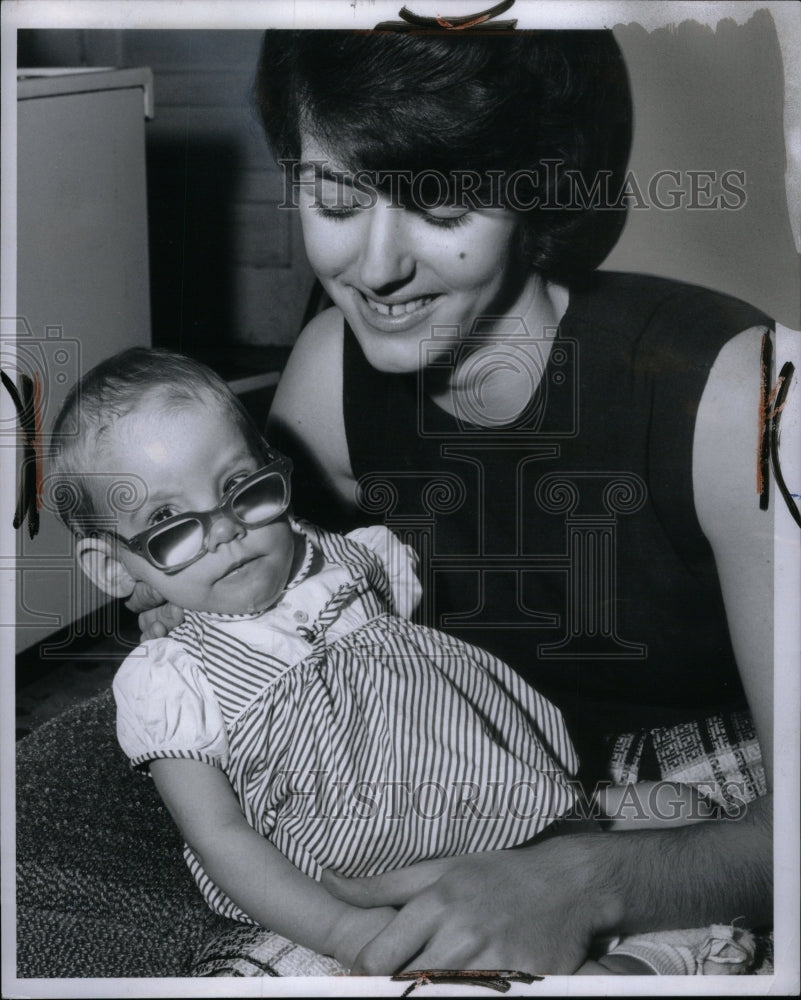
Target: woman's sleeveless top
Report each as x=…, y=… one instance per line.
x=566, y=541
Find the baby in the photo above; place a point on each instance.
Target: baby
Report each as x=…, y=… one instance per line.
x=297, y=720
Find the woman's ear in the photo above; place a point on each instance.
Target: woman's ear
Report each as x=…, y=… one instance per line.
x=98, y=560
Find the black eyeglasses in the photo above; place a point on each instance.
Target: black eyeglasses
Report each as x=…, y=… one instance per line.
x=178, y=541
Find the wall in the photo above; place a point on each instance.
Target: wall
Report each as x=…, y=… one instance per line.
x=709, y=101
x=226, y=264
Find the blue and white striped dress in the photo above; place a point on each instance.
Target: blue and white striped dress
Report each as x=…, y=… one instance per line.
x=354, y=739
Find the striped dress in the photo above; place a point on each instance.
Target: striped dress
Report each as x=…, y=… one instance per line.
x=354, y=739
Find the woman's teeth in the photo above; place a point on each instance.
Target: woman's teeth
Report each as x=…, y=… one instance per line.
x=398, y=308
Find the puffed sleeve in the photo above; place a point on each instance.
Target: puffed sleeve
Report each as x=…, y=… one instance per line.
x=400, y=561
x=166, y=707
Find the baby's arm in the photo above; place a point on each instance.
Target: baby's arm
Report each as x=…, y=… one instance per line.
x=252, y=872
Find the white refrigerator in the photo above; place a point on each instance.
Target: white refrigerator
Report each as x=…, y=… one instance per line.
x=82, y=295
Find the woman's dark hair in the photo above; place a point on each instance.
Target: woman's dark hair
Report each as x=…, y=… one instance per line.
x=549, y=110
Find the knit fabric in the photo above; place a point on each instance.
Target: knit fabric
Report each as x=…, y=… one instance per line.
x=253, y=951
x=101, y=886
x=720, y=756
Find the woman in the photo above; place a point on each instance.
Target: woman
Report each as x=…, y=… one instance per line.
x=583, y=501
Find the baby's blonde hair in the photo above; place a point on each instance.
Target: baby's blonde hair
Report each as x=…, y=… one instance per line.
x=124, y=383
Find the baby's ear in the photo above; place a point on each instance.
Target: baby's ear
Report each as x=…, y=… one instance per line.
x=98, y=560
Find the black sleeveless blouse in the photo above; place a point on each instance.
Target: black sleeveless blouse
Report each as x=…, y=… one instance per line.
x=566, y=541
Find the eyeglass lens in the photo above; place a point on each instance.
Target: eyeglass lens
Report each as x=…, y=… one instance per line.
x=261, y=500
x=257, y=504
x=177, y=544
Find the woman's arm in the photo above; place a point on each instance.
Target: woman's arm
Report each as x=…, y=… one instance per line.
x=251, y=871
x=538, y=908
x=725, y=457
x=307, y=422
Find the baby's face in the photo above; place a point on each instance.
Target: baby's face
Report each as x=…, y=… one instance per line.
x=188, y=459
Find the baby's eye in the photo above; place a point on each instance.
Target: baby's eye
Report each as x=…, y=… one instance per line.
x=161, y=514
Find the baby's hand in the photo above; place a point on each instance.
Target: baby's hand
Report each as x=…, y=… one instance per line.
x=355, y=929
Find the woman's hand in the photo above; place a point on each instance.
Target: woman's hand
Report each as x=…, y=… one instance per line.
x=531, y=909
x=353, y=930
x=537, y=909
x=156, y=617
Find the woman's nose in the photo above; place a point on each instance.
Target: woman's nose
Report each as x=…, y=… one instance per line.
x=386, y=256
x=223, y=529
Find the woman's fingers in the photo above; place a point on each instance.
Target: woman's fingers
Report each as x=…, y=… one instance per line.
x=150, y=627
x=401, y=939
x=143, y=598
x=421, y=938
x=160, y=621
x=500, y=910
x=393, y=888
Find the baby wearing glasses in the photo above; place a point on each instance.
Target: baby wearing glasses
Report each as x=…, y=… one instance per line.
x=297, y=720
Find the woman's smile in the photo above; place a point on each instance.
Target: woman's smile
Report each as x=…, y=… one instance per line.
x=394, y=315
x=397, y=308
